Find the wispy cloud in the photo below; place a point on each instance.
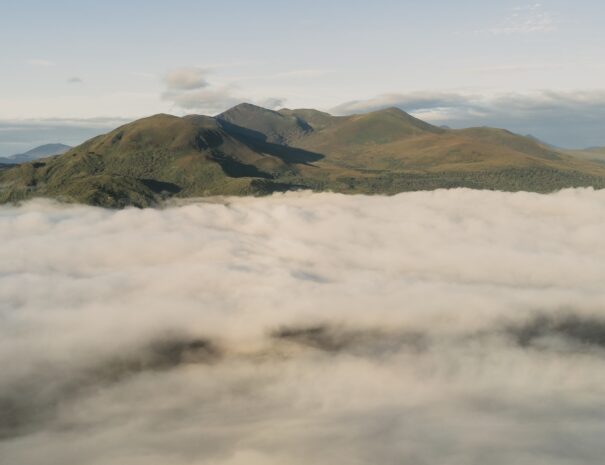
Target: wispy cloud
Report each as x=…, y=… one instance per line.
x=272, y=103
x=186, y=79
x=39, y=62
x=528, y=19
x=210, y=100
x=189, y=89
x=75, y=80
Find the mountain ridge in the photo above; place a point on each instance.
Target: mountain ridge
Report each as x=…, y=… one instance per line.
x=250, y=150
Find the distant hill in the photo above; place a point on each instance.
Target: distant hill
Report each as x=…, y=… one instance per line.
x=594, y=154
x=42, y=151
x=249, y=150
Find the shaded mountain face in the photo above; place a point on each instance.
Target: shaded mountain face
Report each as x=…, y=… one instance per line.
x=42, y=151
x=268, y=125
x=250, y=150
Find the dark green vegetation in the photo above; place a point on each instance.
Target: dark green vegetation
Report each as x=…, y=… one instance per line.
x=250, y=150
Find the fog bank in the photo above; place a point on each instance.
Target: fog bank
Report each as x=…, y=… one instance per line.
x=454, y=326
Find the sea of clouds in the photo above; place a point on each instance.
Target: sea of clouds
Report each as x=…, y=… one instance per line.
x=453, y=327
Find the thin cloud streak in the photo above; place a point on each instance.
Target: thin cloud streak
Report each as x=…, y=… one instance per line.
x=528, y=19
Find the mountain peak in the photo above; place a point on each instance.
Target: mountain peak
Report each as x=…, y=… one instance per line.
x=394, y=110
x=249, y=149
x=273, y=126
x=247, y=108
x=393, y=123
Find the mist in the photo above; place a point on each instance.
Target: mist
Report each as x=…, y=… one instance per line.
x=453, y=326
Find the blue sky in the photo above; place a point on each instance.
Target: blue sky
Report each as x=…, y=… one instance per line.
x=533, y=67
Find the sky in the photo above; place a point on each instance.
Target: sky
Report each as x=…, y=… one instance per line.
x=71, y=69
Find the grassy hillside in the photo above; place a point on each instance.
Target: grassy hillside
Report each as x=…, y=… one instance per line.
x=249, y=150
x=148, y=160
x=392, y=141
x=596, y=154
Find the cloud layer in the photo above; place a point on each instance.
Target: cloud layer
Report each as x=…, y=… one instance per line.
x=450, y=326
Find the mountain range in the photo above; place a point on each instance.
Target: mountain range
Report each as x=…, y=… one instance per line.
x=249, y=150
x=42, y=151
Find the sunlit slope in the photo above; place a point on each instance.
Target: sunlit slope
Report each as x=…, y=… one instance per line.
x=150, y=159
x=595, y=154
x=250, y=150
x=390, y=151
x=391, y=138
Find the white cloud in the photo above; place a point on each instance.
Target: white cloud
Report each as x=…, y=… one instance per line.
x=410, y=102
x=272, y=103
x=186, y=79
x=188, y=90
x=305, y=328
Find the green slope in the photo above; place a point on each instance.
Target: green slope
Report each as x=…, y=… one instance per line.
x=151, y=159
x=594, y=154
x=250, y=150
